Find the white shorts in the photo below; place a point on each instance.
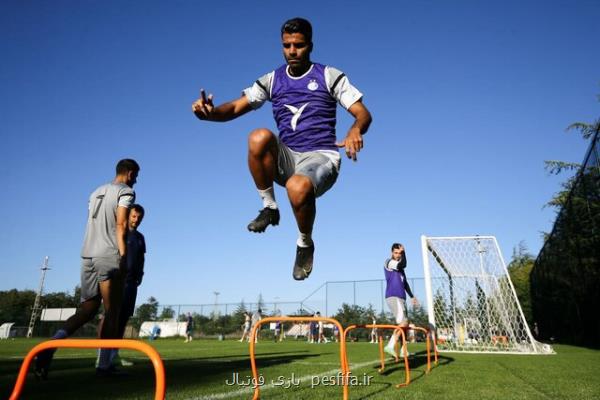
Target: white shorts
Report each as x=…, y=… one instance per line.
x=398, y=308
x=321, y=167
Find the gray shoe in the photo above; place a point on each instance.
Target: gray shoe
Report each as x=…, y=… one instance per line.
x=267, y=216
x=304, y=262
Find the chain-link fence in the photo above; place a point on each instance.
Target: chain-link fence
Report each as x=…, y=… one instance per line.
x=329, y=297
x=566, y=274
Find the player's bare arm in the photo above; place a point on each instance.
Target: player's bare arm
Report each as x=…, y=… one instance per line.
x=121, y=228
x=205, y=109
x=353, y=142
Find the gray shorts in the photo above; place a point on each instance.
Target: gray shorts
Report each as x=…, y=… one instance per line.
x=397, y=306
x=313, y=164
x=94, y=271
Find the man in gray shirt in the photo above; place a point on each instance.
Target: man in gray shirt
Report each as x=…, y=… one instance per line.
x=104, y=260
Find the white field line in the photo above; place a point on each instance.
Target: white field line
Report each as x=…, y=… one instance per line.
x=303, y=379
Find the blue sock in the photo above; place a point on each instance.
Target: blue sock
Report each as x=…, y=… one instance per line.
x=104, y=359
x=60, y=334
x=113, y=355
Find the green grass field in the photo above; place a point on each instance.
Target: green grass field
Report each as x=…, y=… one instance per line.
x=202, y=369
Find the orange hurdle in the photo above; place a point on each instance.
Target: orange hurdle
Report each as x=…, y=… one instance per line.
x=396, y=328
x=500, y=339
x=159, y=369
x=429, y=340
x=343, y=364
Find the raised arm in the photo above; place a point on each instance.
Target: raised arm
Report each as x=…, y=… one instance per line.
x=204, y=108
x=353, y=142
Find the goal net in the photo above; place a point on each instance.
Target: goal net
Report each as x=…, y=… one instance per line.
x=472, y=304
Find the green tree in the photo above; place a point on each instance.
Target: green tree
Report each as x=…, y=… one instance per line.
x=239, y=316
x=146, y=312
x=15, y=306
x=556, y=167
x=418, y=316
x=441, y=311
x=260, y=303
x=167, y=313
x=519, y=270
x=352, y=314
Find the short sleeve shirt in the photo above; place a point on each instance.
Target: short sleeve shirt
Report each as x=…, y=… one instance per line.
x=304, y=107
x=101, y=229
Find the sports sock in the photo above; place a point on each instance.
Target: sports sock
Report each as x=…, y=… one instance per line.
x=268, y=198
x=104, y=359
x=304, y=240
x=114, y=354
x=392, y=342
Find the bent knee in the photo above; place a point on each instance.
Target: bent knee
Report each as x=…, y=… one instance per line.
x=299, y=188
x=260, y=138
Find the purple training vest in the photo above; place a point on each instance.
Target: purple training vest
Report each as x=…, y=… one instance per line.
x=304, y=110
x=395, y=283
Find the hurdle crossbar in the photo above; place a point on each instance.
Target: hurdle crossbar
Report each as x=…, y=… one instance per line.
x=159, y=369
x=343, y=366
x=397, y=329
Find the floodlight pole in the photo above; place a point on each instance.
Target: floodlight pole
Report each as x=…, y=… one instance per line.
x=216, y=311
x=36, y=304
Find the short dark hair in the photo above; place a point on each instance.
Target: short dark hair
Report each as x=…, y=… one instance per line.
x=139, y=209
x=127, y=164
x=396, y=246
x=298, y=25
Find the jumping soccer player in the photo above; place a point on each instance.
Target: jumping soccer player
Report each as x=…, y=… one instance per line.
x=304, y=157
x=396, y=290
x=103, y=259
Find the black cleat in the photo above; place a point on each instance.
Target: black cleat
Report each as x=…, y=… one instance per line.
x=42, y=364
x=267, y=216
x=304, y=262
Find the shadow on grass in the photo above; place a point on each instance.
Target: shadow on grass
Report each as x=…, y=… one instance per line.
x=76, y=379
x=417, y=360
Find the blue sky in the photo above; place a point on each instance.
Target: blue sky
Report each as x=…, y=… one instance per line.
x=468, y=100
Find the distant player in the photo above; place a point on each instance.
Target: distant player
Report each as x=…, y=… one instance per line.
x=103, y=260
x=246, y=327
x=189, y=329
x=321, y=332
x=257, y=316
x=396, y=289
x=374, y=336
x=304, y=156
x=314, y=330
x=336, y=333
x=277, y=332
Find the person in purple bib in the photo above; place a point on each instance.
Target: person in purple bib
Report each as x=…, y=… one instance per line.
x=396, y=289
x=304, y=157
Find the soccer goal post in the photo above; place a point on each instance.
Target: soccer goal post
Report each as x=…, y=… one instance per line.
x=472, y=304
